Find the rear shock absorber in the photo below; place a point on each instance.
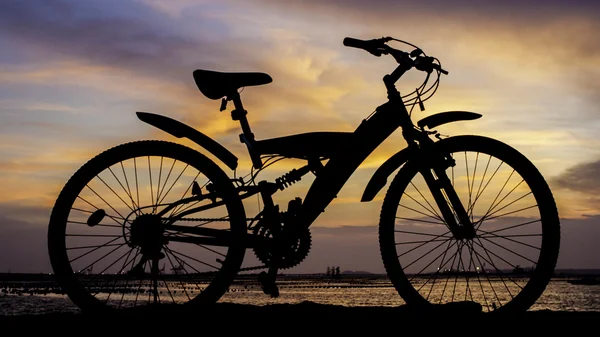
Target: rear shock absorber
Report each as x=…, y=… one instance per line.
x=291, y=177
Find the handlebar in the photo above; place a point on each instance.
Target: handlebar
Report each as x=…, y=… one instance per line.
x=375, y=47
x=379, y=47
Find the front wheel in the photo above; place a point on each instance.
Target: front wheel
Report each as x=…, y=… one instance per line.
x=510, y=260
x=147, y=222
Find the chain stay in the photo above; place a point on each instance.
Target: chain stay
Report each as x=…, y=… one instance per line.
x=221, y=219
x=208, y=219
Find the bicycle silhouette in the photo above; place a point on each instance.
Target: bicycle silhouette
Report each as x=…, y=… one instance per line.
x=459, y=218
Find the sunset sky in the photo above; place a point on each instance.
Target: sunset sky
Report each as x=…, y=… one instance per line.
x=73, y=74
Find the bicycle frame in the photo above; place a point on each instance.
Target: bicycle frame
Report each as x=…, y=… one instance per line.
x=345, y=152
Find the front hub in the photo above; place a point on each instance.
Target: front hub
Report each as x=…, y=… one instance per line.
x=147, y=233
x=464, y=232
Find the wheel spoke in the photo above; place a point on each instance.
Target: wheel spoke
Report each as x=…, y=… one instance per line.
x=128, y=188
x=137, y=189
x=165, y=183
x=425, y=234
x=488, y=182
x=468, y=270
x=513, y=212
x=100, y=258
x=180, y=282
x=498, y=271
x=183, y=264
x=175, y=181
x=461, y=244
x=509, y=250
x=128, y=279
x=158, y=186
x=472, y=249
x=469, y=188
x=109, y=205
x=494, y=210
x=416, y=211
x=98, y=225
x=422, y=256
x=420, y=220
x=431, y=209
x=507, y=237
x=421, y=241
x=194, y=259
x=489, y=216
x=442, y=264
x=115, y=193
x=493, y=204
x=178, y=210
x=425, y=242
x=115, y=280
x=477, y=195
x=96, y=246
x=114, y=217
x=473, y=184
x=151, y=187
x=515, y=226
x=430, y=263
x=451, y=268
x=211, y=250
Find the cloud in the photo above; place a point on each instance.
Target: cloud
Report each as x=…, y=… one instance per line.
x=529, y=10
x=583, y=177
x=117, y=34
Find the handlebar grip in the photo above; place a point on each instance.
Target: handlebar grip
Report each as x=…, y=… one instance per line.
x=356, y=43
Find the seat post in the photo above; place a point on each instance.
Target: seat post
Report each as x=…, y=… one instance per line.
x=247, y=137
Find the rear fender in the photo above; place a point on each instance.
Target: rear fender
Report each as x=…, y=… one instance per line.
x=181, y=130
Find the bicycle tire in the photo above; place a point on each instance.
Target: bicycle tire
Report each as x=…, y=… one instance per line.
x=418, y=289
x=67, y=230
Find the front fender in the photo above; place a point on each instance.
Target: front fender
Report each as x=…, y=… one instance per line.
x=181, y=130
x=446, y=117
x=379, y=178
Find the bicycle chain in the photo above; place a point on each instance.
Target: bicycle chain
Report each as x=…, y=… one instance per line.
x=209, y=219
x=220, y=219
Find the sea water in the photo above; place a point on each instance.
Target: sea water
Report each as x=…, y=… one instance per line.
x=558, y=296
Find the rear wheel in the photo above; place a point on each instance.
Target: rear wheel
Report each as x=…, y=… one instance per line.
x=117, y=240
x=509, y=262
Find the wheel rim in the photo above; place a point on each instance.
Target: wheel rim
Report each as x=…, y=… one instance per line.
x=112, y=246
x=502, y=266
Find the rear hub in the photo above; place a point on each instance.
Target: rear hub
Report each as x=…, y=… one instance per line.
x=147, y=233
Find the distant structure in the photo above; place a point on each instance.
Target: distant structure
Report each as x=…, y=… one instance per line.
x=333, y=272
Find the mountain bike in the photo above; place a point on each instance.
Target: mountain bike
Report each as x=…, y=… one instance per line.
x=464, y=218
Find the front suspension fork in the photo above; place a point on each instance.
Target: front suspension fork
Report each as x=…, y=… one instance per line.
x=449, y=204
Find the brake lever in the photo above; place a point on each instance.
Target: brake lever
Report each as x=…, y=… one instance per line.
x=379, y=50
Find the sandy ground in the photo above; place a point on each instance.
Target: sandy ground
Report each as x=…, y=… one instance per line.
x=307, y=318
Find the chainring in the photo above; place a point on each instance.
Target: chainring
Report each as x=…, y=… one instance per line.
x=292, y=256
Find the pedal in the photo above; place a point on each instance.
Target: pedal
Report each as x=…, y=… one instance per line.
x=268, y=285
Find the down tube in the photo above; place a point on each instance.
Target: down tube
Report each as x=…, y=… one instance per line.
x=330, y=180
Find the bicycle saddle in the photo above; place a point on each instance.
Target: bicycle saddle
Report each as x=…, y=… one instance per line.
x=214, y=84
